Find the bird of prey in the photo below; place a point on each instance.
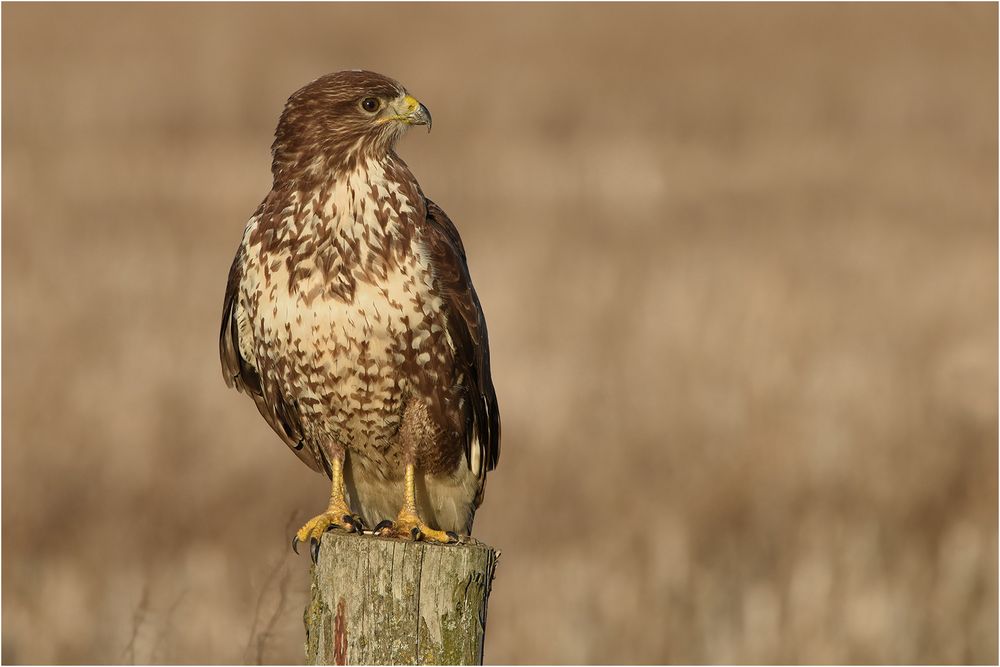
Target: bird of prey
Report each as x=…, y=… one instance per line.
x=351, y=321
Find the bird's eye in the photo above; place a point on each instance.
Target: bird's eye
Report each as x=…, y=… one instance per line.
x=370, y=104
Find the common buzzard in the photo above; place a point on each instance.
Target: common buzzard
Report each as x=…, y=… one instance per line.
x=351, y=321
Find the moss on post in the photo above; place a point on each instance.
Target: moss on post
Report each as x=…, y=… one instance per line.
x=376, y=601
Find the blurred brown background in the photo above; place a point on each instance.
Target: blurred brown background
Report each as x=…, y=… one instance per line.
x=740, y=269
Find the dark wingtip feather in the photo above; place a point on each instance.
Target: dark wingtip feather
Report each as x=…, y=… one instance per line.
x=471, y=337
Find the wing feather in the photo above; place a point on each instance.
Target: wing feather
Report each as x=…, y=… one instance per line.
x=242, y=374
x=467, y=328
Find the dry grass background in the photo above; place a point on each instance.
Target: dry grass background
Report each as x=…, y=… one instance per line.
x=740, y=270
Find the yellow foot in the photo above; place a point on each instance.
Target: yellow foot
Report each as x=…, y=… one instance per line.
x=409, y=526
x=312, y=532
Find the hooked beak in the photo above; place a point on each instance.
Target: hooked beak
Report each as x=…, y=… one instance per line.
x=421, y=116
x=408, y=110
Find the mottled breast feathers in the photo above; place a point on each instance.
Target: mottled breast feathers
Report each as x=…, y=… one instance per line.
x=466, y=328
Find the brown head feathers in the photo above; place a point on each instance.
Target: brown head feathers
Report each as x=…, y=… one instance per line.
x=332, y=123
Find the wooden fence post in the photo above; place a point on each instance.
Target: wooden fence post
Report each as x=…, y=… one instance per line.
x=378, y=601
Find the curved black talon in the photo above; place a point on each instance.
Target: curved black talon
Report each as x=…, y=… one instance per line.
x=314, y=549
x=416, y=534
x=383, y=524
x=452, y=535
x=355, y=523
x=295, y=544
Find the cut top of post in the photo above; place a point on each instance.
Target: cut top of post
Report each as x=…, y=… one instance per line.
x=377, y=600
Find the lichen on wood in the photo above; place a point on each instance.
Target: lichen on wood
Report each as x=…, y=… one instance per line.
x=377, y=600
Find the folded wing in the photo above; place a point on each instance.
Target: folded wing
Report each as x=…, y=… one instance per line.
x=467, y=328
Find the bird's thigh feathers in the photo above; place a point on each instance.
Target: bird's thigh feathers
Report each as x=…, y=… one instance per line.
x=445, y=502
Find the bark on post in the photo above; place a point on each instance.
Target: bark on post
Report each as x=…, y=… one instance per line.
x=378, y=601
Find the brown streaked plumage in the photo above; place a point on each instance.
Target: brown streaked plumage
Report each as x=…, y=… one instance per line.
x=351, y=321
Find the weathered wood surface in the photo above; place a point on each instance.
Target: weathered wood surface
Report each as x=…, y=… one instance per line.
x=383, y=601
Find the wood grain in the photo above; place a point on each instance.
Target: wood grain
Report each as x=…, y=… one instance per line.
x=380, y=601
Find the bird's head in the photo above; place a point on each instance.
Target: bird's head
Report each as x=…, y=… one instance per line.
x=341, y=118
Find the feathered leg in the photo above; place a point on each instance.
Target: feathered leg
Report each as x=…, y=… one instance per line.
x=408, y=524
x=337, y=515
